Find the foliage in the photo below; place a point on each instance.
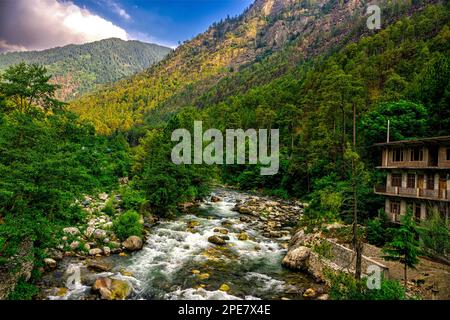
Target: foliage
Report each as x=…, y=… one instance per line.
x=404, y=246
x=128, y=224
x=377, y=230
x=132, y=199
x=83, y=68
x=23, y=291
x=346, y=287
x=435, y=236
x=109, y=207
x=47, y=161
x=27, y=86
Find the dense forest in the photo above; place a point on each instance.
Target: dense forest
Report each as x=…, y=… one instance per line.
x=83, y=68
x=330, y=102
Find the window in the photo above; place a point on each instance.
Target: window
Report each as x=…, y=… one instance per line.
x=397, y=155
x=411, y=182
x=448, y=154
x=396, y=180
x=395, y=207
x=430, y=182
x=417, y=154
x=417, y=211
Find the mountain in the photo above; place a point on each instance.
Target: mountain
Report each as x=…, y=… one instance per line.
x=233, y=55
x=83, y=68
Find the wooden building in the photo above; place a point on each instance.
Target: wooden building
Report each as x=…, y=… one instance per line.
x=417, y=176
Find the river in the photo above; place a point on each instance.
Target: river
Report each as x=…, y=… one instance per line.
x=178, y=262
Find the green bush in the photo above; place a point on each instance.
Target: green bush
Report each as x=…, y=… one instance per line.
x=133, y=199
x=345, y=287
x=23, y=291
x=109, y=208
x=434, y=235
x=378, y=232
x=128, y=224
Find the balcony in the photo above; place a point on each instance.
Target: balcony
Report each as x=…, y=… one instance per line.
x=439, y=195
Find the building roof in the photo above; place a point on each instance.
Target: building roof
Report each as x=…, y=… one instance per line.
x=432, y=140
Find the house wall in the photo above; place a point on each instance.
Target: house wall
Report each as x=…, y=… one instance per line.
x=387, y=157
x=442, y=157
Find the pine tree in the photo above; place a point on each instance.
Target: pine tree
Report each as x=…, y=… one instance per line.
x=404, y=247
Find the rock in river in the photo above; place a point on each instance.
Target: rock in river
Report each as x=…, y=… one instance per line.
x=217, y=240
x=112, y=289
x=98, y=265
x=133, y=243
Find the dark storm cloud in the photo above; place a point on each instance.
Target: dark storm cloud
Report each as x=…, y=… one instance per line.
x=42, y=24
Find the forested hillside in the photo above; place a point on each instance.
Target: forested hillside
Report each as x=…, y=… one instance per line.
x=266, y=41
x=401, y=73
x=82, y=68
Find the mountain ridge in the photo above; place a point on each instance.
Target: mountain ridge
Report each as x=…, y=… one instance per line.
x=83, y=68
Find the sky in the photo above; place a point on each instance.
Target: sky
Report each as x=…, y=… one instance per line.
x=42, y=24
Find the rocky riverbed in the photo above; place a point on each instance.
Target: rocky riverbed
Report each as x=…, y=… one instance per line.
x=229, y=247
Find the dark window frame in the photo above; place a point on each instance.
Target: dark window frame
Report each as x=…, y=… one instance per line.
x=396, y=180
x=430, y=178
x=395, y=207
x=411, y=181
x=416, y=154
x=397, y=155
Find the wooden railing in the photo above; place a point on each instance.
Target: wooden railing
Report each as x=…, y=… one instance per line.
x=413, y=192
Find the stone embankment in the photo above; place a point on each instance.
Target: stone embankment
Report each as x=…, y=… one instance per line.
x=315, y=254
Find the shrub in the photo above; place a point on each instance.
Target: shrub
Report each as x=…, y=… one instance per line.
x=434, y=235
x=377, y=230
x=109, y=208
x=345, y=287
x=128, y=224
x=23, y=291
x=133, y=199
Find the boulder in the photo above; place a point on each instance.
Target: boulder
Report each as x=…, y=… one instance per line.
x=215, y=199
x=112, y=289
x=103, y=196
x=107, y=251
x=74, y=245
x=98, y=265
x=203, y=276
x=244, y=210
x=133, y=243
x=221, y=230
x=50, y=263
x=72, y=231
x=99, y=234
x=95, y=251
x=224, y=287
x=217, y=240
x=309, y=293
x=297, y=258
x=243, y=236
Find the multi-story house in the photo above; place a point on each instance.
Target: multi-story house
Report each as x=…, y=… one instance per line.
x=417, y=177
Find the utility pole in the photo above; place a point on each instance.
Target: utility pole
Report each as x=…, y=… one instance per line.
x=388, y=130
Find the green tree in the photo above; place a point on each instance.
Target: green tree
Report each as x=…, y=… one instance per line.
x=434, y=235
x=404, y=247
x=27, y=86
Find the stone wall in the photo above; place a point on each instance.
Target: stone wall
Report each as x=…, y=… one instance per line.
x=301, y=256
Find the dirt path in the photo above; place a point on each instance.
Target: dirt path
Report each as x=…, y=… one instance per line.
x=430, y=279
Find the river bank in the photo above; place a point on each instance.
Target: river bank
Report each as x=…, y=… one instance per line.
x=181, y=258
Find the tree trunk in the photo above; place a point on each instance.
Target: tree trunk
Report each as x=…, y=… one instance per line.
x=406, y=276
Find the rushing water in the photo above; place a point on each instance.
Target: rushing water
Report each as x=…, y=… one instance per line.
x=163, y=269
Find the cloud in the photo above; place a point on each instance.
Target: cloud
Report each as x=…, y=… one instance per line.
x=118, y=9
x=42, y=24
